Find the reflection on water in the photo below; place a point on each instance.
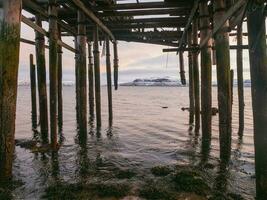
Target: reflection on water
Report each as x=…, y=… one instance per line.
x=143, y=135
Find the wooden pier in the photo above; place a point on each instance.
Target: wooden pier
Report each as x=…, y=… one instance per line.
x=201, y=28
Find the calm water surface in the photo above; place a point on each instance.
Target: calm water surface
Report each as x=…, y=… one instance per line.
x=143, y=135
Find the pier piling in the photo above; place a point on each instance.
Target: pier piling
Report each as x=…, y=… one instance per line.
x=239, y=63
x=59, y=75
x=10, y=19
x=191, y=79
x=116, y=64
x=196, y=74
x=258, y=72
x=53, y=70
x=223, y=80
x=82, y=73
x=182, y=72
x=33, y=92
x=97, y=77
x=91, y=80
x=206, y=76
x=41, y=77
x=109, y=81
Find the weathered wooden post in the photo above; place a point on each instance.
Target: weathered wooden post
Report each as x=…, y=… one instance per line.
x=41, y=77
x=33, y=92
x=77, y=88
x=91, y=80
x=239, y=63
x=97, y=77
x=258, y=71
x=191, y=79
x=81, y=62
x=223, y=80
x=59, y=75
x=116, y=64
x=53, y=70
x=206, y=76
x=109, y=81
x=182, y=72
x=232, y=87
x=10, y=19
x=196, y=74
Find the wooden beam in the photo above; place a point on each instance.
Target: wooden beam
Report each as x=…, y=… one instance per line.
x=93, y=17
x=42, y=31
x=232, y=47
x=189, y=22
x=31, y=6
x=145, y=5
x=221, y=22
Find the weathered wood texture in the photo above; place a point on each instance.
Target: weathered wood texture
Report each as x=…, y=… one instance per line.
x=191, y=79
x=258, y=71
x=41, y=77
x=223, y=81
x=239, y=65
x=196, y=75
x=9, y=61
x=109, y=81
x=206, y=73
x=82, y=73
x=116, y=65
x=91, y=80
x=33, y=92
x=59, y=75
x=182, y=71
x=53, y=70
x=97, y=77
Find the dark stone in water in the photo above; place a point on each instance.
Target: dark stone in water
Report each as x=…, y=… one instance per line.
x=190, y=181
x=27, y=144
x=125, y=174
x=161, y=170
x=164, y=107
x=152, y=191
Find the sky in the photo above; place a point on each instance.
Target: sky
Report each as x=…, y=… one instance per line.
x=136, y=60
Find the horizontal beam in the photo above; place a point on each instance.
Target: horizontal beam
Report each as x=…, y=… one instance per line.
x=43, y=32
x=218, y=26
x=145, y=5
x=36, y=9
x=94, y=18
x=232, y=47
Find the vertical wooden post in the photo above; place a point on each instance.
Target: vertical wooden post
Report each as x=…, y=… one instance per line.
x=77, y=88
x=116, y=64
x=182, y=72
x=109, y=81
x=81, y=62
x=223, y=81
x=9, y=61
x=91, y=80
x=53, y=69
x=232, y=87
x=59, y=75
x=191, y=79
x=196, y=75
x=33, y=92
x=239, y=63
x=258, y=71
x=97, y=77
x=41, y=77
x=206, y=76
